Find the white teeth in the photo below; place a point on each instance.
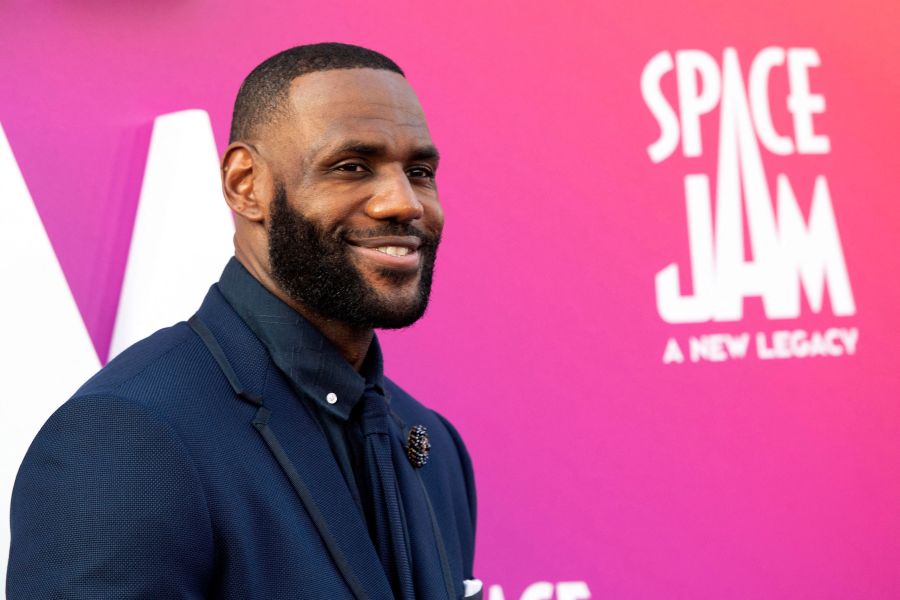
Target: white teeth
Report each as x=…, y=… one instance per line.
x=394, y=250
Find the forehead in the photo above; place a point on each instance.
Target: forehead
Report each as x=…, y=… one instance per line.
x=327, y=107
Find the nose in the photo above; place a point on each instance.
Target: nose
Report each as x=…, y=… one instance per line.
x=395, y=200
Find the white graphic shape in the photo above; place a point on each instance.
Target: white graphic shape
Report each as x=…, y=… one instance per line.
x=695, y=67
x=651, y=79
x=46, y=353
x=760, y=70
x=572, y=590
x=182, y=233
x=803, y=104
x=814, y=250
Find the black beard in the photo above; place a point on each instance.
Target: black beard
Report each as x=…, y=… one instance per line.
x=314, y=268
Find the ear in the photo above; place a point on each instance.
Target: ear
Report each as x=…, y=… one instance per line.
x=243, y=178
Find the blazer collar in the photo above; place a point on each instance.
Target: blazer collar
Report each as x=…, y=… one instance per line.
x=310, y=361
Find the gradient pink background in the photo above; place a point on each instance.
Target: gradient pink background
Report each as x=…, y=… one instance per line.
x=594, y=461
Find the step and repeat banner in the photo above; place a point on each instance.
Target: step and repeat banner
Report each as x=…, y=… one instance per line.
x=667, y=305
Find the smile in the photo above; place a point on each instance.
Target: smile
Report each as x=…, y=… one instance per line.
x=394, y=250
x=399, y=253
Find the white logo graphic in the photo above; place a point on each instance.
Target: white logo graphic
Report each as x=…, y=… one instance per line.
x=789, y=253
x=182, y=230
x=791, y=256
x=545, y=590
x=181, y=241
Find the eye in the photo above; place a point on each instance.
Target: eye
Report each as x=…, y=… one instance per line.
x=351, y=168
x=420, y=172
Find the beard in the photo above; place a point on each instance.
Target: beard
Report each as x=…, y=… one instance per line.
x=315, y=268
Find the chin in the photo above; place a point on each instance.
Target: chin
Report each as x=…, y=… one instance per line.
x=400, y=306
x=393, y=281
x=399, y=310
x=390, y=284
x=399, y=321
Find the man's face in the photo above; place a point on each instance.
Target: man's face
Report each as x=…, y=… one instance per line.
x=355, y=221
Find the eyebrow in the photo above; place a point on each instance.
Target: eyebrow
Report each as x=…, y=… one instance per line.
x=426, y=152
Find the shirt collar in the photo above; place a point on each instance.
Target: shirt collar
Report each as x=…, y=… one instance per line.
x=311, y=363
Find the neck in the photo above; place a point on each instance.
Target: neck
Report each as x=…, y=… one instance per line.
x=352, y=342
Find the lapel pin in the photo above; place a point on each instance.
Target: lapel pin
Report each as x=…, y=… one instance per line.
x=417, y=446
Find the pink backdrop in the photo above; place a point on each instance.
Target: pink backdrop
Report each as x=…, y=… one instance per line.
x=595, y=461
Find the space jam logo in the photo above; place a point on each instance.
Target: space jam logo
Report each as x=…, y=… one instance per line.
x=791, y=255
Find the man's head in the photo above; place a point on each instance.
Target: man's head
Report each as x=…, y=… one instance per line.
x=330, y=172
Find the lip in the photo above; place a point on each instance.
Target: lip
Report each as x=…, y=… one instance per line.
x=366, y=248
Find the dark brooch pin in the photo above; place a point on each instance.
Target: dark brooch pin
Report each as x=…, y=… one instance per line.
x=417, y=446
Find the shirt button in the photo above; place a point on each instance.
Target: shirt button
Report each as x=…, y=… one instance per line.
x=331, y=398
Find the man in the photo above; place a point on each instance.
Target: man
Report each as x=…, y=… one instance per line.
x=258, y=451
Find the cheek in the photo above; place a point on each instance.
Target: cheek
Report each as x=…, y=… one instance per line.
x=325, y=216
x=327, y=201
x=434, y=216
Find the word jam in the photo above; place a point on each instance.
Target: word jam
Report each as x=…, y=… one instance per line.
x=789, y=253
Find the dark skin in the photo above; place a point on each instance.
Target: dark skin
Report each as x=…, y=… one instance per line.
x=352, y=149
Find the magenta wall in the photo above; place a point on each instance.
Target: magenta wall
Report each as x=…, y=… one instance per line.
x=596, y=462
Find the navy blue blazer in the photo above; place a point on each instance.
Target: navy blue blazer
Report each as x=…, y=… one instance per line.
x=164, y=477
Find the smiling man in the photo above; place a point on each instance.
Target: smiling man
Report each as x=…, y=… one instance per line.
x=258, y=450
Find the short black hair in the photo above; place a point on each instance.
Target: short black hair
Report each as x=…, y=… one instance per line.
x=266, y=87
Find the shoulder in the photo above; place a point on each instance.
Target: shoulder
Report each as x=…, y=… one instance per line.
x=170, y=375
x=112, y=458
x=165, y=390
x=106, y=464
x=441, y=431
x=453, y=478
x=94, y=432
x=150, y=359
x=128, y=410
x=416, y=413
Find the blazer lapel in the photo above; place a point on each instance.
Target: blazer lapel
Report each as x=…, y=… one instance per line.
x=301, y=449
x=297, y=443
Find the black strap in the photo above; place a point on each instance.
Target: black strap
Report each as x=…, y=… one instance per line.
x=442, y=552
x=261, y=423
x=439, y=539
x=209, y=340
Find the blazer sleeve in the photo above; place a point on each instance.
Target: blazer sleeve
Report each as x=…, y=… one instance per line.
x=107, y=504
x=469, y=475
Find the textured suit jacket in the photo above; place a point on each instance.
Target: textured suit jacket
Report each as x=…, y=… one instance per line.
x=166, y=476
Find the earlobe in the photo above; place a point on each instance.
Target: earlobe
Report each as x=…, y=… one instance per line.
x=241, y=168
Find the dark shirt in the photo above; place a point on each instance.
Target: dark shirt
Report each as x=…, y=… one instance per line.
x=317, y=371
